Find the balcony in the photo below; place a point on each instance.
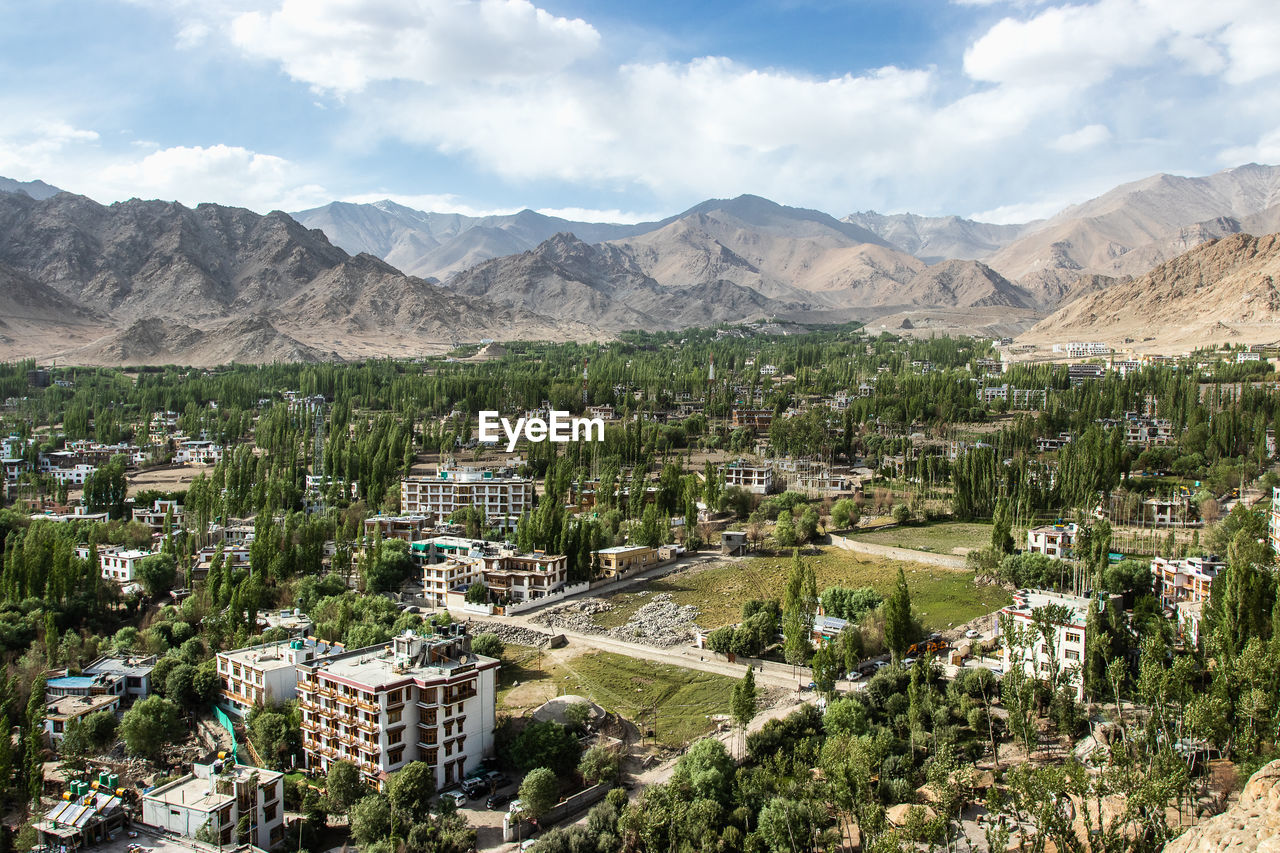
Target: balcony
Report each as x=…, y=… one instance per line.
x=310, y=726
x=344, y=699
x=326, y=691
x=308, y=706
x=368, y=726
x=307, y=686
x=368, y=706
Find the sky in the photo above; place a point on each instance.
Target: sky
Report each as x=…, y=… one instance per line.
x=1001, y=110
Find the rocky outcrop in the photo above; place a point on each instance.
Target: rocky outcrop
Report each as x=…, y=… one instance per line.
x=1252, y=824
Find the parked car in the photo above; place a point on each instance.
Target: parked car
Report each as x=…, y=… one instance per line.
x=972, y=634
x=908, y=661
x=497, y=800
x=459, y=798
x=474, y=787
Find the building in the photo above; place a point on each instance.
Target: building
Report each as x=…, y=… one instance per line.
x=59, y=712
x=410, y=528
x=1052, y=540
x=757, y=479
x=82, y=819
x=1080, y=373
x=758, y=420
x=158, y=514
x=1188, y=579
x=209, y=801
x=417, y=698
x=1035, y=654
x=265, y=674
x=441, y=577
x=1273, y=522
x=121, y=566
x=198, y=452
x=524, y=577
x=623, y=559
x=1242, y=357
x=1190, y=618
x=128, y=679
x=502, y=499
x=72, y=476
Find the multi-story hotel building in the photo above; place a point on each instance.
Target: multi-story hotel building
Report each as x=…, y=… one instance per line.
x=502, y=499
x=212, y=799
x=1067, y=646
x=450, y=564
x=1188, y=579
x=417, y=698
x=757, y=479
x=265, y=674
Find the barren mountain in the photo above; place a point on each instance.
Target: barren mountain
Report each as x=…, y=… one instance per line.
x=1133, y=227
x=252, y=340
x=201, y=268
x=963, y=284
x=36, y=189
x=604, y=286
x=438, y=245
x=938, y=238
x=1223, y=290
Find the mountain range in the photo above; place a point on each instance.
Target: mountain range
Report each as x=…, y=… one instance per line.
x=149, y=280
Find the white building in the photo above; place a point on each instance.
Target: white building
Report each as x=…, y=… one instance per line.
x=211, y=799
x=60, y=711
x=757, y=479
x=502, y=499
x=121, y=566
x=1066, y=647
x=439, y=578
x=264, y=675
x=159, y=512
x=200, y=452
x=1188, y=579
x=417, y=698
x=73, y=476
x=1052, y=540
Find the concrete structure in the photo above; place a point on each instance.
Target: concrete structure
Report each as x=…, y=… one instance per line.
x=1066, y=647
x=1052, y=540
x=410, y=528
x=1188, y=579
x=79, y=822
x=502, y=499
x=625, y=558
x=417, y=698
x=126, y=678
x=265, y=674
x=121, y=566
x=155, y=516
x=1273, y=522
x=755, y=478
x=758, y=420
x=439, y=578
x=210, y=800
x=61, y=711
x=199, y=452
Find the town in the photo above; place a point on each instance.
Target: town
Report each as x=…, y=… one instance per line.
x=803, y=589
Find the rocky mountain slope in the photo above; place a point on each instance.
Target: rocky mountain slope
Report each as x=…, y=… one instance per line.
x=939, y=238
x=35, y=189
x=197, y=269
x=437, y=245
x=1223, y=290
x=604, y=286
x=1252, y=824
x=1135, y=226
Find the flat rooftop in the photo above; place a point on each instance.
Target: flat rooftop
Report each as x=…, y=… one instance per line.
x=191, y=792
x=66, y=707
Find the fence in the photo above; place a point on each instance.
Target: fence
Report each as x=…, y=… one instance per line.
x=225, y=722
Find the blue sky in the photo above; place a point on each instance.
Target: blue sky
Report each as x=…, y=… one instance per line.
x=1002, y=109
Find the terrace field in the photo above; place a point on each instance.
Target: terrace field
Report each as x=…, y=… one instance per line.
x=942, y=598
x=952, y=537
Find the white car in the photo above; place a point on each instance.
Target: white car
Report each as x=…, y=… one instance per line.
x=972, y=634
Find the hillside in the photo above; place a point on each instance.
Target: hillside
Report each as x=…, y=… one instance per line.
x=1135, y=226
x=437, y=245
x=938, y=238
x=197, y=269
x=1222, y=291
x=602, y=285
x=35, y=189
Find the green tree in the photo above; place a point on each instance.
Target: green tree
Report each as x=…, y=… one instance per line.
x=1002, y=526
x=826, y=669
x=149, y=726
x=539, y=791
x=370, y=819
x=488, y=644
x=410, y=790
x=844, y=513
x=477, y=593
x=344, y=786
x=598, y=764
x=784, y=531
x=900, y=626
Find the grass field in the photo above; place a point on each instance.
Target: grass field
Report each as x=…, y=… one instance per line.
x=673, y=701
x=943, y=538
x=941, y=597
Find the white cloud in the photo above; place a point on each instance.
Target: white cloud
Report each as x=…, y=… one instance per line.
x=344, y=45
x=589, y=214
x=431, y=203
x=191, y=175
x=1089, y=136
x=34, y=148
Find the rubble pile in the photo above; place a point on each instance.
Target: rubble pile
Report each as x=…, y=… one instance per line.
x=574, y=616
x=660, y=622
x=517, y=634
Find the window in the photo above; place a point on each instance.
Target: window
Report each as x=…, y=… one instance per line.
x=393, y=697
x=394, y=716
x=1072, y=654
x=269, y=813
x=395, y=755
x=1073, y=637
x=428, y=695
x=396, y=736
